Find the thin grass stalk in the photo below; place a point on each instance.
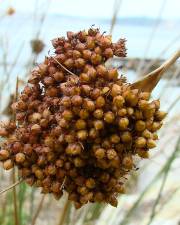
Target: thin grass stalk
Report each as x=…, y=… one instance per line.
x=3, y=210
x=165, y=176
x=151, y=37
x=31, y=210
x=39, y=208
x=15, y=203
x=152, y=62
x=117, y=5
x=173, y=77
x=173, y=104
x=168, y=200
x=64, y=212
x=21, y=198
x=11, y=186
x=130, y=212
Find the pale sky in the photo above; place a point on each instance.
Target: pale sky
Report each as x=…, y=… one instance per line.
x=100, y=8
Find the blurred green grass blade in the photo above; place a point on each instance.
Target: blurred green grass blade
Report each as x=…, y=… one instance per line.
x=130, y=212
x=21, y=197
x=165, y=176
x=95, y=211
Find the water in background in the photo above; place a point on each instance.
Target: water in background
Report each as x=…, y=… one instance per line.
x=17, y=31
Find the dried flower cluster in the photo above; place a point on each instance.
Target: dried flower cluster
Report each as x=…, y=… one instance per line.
x=37, y=46
x=78, y=124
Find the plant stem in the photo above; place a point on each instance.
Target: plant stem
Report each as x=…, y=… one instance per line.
x=11, y=186
x=149, y=82
x=153, y=213
x=38, y=210
x=159, y=174
x=16, y=219
x=64, y=212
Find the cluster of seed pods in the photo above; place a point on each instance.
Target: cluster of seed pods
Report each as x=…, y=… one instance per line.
x=78, y=125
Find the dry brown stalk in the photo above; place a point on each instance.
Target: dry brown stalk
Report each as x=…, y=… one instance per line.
x=149, y=82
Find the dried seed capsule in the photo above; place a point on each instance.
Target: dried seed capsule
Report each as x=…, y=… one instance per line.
x=67, y=115
x=98, y=197
x=98, y=50
x=46, y=113
x=91, y=73
x=80, y=47
x=138, y=114
x=116, y=90
x=128, y=162
x=20, y=157
x=131, y=99
x=84, y=114
x=69, y=138
x=95, y=94
x=36, y=129
x=85, y=89
x=108, y=53
x=98, y=113
x=8, y=164
x=82, y=135
x=78, y=162
x=76, y=54
x=3, y=132
x=39, y=174
x=98, y=124
x=120, y=188
x=112, y=74
x=80, y=124
x=160, y=115
x=79, y=63
x=100, y=153
x=58, y=76
x=73, y=149
x=130, y=111
x=93, y=133
x=140, y=125
x=123, y=123
x=155, y=136
x=114, y=138
x=112, y=201
x=4, y=154
x=144, y=95
x=156, y=104
x=35, y=117
x=100, y=102
x=101, y=70
x=90, y=43
x=140, y=142
x=111, y=154
x=69, y=63
x=151, y=143
x=109, y=117
x=156, y=126
x=87, y=54
x=77, y=100
x=63, y=123
x=90, y=183
x=89, y=105
x=126, y=137
x=82, y=190
x=118, y=101
x=96, y=58
x=143, y=104
x=122, y=112
x=143, y=153
x=146, y=133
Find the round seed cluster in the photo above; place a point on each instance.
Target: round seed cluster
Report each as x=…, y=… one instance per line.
x=78, y=124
